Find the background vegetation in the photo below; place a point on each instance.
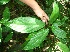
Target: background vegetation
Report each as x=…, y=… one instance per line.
x=11, y=40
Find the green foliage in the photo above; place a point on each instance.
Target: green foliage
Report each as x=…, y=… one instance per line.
x=36, y=38
x=63, y=47
x=6, y=29
x=3, y=2
x=19, y=2
x=20, y=24
x=55, y=13
x=6, y=15
x=58, y=32
x=62, y=21
x=0, y=32
x=9, y=36
x=40, y=36
x=66, y=0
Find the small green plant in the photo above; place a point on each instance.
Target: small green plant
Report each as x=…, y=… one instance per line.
x=38, y=31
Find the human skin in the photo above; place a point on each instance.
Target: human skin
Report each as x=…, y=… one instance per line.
x=37, y=9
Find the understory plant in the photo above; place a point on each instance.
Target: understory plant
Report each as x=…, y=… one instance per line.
x=38, y=31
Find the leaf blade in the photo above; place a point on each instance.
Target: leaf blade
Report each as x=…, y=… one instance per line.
x=0, y=32
x=3, y=2
x=6, y=15
x=58, y=32
x=63, y=47
x=25, y=24
x=36, y=39
x=9, y=36
x=62, y=21
x=55, y=13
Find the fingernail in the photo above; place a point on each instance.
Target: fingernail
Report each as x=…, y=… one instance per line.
x=43, y=20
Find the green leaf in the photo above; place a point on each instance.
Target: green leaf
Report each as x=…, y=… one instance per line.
x=25, y=24
x=55, y=13
x=36, y=38
x=63, y=40
x=62, y=21
x=58, y=21
x=3, y=2
x=6, y=15
x=9, y=36
x=69, y=47
x=6, y=29
x=67, y=0
x=58, y=32
x=63, y=47
x=0, y=32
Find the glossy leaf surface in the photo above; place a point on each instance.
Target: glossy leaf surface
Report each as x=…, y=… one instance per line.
x=36, y=38
x=6, y=15
x=55, y=13
x=3, y=2
x=9, y=36
x=63, y=47
x=25, y=24
x=0, y=32
x=58, y=32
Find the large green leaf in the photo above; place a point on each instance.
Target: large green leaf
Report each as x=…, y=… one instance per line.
x=0, y=32
x=55, y=13
x=9, y=36
x=36, y=38
x=25, y=24
x=3, y=2
x=63, y=47
x=58, y=32
x=6, y=15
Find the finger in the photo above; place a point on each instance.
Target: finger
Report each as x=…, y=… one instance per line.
x=46, y=17
x=46, y=20
x=43, y=19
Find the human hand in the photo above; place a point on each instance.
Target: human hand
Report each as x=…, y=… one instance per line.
x=40, y=13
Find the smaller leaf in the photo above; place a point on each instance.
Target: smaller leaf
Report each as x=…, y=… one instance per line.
x=63, y=47
x=58, y=32
x=3, y=2
x=6, y=15
x=6, y=29
x=36, y=38
x=9, y=36
x=64, y=19
x=0, y=32
x=55, y=13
